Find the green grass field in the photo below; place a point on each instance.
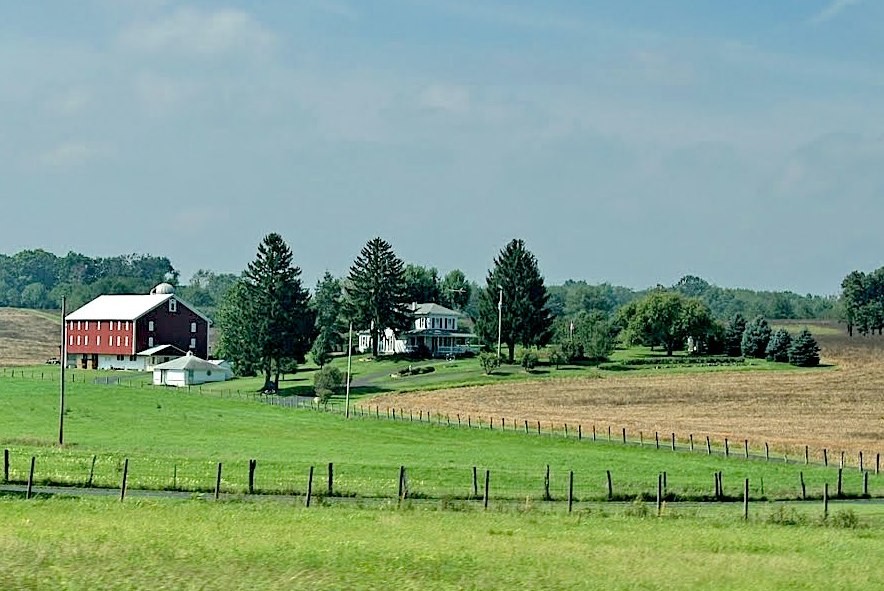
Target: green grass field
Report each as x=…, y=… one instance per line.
x=104, y=544
x=174, y=439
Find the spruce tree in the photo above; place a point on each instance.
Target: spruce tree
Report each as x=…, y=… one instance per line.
x=804, y=351
x=526, y=319
x=733, y=335
x=778, y=346
x=755, y=338
x=376, y=291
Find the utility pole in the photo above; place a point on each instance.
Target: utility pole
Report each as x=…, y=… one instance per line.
x=349, y=361
x=499, y=319
x=64, y=362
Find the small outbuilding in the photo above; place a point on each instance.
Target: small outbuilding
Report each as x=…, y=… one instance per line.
x=189, y=370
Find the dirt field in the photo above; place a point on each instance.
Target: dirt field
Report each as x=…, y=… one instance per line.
x=27, y=337
x=840, y=408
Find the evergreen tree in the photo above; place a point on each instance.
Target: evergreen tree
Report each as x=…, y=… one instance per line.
x=804, y=351
x=376, y=291
x=327, y=305
x=778, y=346
x=275, y=320
x=733, y=335
x=526, y=320
x=237, y=344
x=755, y=338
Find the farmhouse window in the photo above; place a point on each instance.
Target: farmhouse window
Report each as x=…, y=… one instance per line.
x=173, y=305
x=150, y=325
x=193, y=327
x=150, y=341
x=193, y=343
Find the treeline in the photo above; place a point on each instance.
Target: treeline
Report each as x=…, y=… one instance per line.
x=38, y=279
x=863, y=299
x=573, y=297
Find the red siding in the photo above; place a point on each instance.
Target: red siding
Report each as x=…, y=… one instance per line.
x=78, y=331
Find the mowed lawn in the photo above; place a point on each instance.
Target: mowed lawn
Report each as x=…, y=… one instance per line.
x=174, y=439
x=104, y=544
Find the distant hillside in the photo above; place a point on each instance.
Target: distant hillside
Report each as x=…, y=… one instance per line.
x=28, y=337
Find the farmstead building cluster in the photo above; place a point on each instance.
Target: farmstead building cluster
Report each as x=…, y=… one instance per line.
x=135, y=332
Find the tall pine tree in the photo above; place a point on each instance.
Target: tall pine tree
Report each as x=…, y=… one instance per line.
x=326, y=304
x=525, y=318
x=376, y=291
x=269, y=310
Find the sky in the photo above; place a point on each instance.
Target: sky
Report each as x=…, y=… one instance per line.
x=625, y=142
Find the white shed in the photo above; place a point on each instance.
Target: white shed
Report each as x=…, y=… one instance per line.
x=189, y=370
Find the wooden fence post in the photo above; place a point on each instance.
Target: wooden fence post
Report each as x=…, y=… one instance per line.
x=253, y=465
x=708, y=446
x=609, y=432
x=673, y=442
x=538, y=427
x=125, y=477
x=475, y=483
x=746, y=499
x=865, y=484
x=5, y=465
x=877, y=463
x=546, y=495
x=825, y=457
x=657, y=439
x=28, y=495
x=331, y=479
x=840, y=491
x=593, y=432
x=659, y=494
x=309, y=487
x=803, y=488
x=218, y=483
x=665, y=483
x=766, y=451
x=624, y=435
x=746, y=448
x=487, y=483
x=826, y=501
x=691, y=437
x=610, y=486
x=641, y=439
x=571, y=490
x=727, y=449
x=526, y=426
x=579, y=432
x=841, y=461
x=402, y=490
x=566, y=430
x=91, y=472
x=806, y=454
x=860, y=461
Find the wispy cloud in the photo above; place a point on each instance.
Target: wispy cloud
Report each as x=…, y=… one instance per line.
x=201, y=33
x=834, y=8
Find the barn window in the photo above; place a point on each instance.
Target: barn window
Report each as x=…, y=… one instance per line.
x=127, y=325
x=99, y=325
x=119, y=325
x=86, y=340
x=71, y=340
x=150, y=341
x=193, y=343
x=98, y=340
x=193, y=327
x=173, y=305
x=87, y=325
x=79, y=326
x=78, y=339
x=150, y=325
x=118, y=341
x=127, y=341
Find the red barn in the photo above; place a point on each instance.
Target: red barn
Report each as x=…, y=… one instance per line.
x=135, y=331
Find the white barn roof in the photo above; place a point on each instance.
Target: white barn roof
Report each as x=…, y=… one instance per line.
x=125, y=307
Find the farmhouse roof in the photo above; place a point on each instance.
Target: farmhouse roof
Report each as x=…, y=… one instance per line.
x=191, y=362
x=434, y=309
x=126, y=307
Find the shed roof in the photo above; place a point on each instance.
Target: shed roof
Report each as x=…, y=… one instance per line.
x=191, y=362
x=158, y=348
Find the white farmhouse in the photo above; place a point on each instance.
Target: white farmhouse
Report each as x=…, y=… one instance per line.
x=435, y=328
x=189, y=370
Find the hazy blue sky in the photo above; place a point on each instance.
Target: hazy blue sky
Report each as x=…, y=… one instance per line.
x=626, y=141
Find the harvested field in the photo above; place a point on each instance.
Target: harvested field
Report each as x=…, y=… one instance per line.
x=839, y=408
x=27, y=337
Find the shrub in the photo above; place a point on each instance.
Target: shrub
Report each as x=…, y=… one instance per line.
x=489, y=361
x=556, y=357
x=327, y=382
x=529, y=360
x=755, y=338
x=804, y=351
x=571, y=351
x=778, y=346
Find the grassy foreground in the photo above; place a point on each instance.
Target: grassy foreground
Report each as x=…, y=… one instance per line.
x=103, y=544
x=174, y=440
